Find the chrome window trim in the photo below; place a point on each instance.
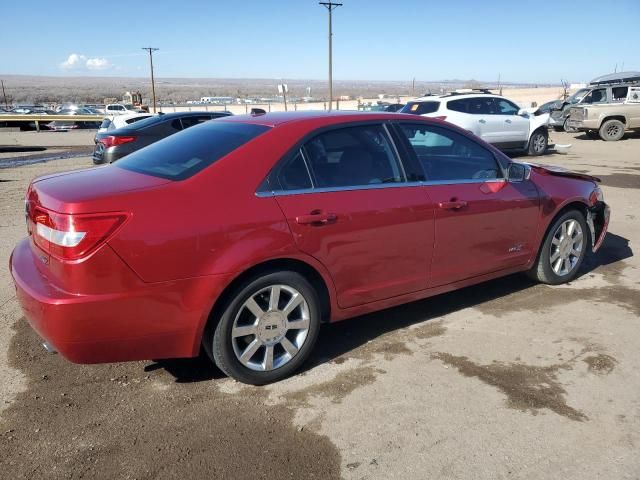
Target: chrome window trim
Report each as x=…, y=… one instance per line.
x=378, y=186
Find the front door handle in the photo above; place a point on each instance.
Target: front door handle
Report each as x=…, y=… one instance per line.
x=453, y=205
x=482, y=120
x=507, y=121
x=317, y=218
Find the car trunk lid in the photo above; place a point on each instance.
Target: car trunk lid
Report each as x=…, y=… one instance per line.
x=84, y=191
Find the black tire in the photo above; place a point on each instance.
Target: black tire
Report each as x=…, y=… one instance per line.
x=218, y=340
x=612, y=130
x=538, y=142
x=594, y=134
x=566, y=127
x=542, y=270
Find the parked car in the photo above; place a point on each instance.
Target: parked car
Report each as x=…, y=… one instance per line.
x=244, y=234
x=112, y=145
x=608, y=121
x=64, y=126
x=607, y=89
x=121, y=109
x=493, y=118
x=79, y=111
x=119, y=121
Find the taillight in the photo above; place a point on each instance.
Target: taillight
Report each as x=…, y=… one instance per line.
x=112, y=140
x=71, y=236
x=443, y=118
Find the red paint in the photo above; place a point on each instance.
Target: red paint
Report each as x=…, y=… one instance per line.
x=146, y=289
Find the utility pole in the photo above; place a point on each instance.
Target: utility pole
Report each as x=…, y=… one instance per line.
x=330, y=6
x=153, y=83
x=6, y=104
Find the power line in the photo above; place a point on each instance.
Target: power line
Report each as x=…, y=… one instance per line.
x=330, y=6
x=153, y=83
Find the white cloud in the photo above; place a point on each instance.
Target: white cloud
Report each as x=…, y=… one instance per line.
x=77, y=61
x=98, y=63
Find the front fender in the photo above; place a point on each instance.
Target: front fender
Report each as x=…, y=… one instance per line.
x=537, y=121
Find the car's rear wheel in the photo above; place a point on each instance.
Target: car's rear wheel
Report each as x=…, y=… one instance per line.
x=612, y=130
x=538, y=142
x=562, y=250
x=267, y=329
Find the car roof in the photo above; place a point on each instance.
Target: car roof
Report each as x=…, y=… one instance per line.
x=458, y=96
x=335, y=116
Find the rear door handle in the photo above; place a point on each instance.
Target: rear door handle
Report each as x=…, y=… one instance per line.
x=508, y=121
x=316, y=218
x=453, y=205
x=482, y=120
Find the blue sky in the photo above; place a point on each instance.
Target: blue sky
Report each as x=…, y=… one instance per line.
x=524, y=41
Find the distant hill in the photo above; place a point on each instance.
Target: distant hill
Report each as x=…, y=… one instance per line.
x=41, y=89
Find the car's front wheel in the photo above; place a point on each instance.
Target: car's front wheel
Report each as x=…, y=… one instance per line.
x=267, y=329
x=568, y=128
x=562, y=250
x=538, y=142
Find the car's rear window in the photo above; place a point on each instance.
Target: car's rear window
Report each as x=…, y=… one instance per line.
x=420, y=108
x=186, y=153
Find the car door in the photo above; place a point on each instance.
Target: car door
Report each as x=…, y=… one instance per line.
x=514, y=128
x=483, y=223
x=348, y=204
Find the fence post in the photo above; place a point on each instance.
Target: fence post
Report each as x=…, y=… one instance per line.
x=37, y=126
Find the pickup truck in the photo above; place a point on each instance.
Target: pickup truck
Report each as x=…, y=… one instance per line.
x=608, y=121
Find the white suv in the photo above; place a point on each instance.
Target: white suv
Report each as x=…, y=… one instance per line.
x=491, y=117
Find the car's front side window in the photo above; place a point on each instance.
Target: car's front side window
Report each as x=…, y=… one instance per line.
x=598, y=95
x=505, y=107
x=446, y=155
x=353, y=156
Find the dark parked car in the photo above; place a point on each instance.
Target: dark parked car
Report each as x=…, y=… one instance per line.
x=115, y=144
x=66, y=125
x=244, y=234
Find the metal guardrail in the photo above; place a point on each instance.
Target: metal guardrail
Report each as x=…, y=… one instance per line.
x=50, y=118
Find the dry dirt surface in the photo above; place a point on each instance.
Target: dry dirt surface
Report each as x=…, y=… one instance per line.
x=507, y=379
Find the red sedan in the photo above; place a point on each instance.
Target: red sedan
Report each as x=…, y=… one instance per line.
x=244, y=234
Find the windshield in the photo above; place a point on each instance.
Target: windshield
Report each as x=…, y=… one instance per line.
x=579, y=95
x=420, y=108
x=186, y=153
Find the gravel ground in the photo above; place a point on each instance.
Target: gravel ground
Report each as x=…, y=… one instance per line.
x=507, y=379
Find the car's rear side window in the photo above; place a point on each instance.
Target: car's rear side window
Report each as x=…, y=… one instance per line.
x=420, y=108
x=353, y=156
x=186, y=153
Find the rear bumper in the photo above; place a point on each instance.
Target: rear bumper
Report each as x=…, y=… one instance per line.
x=160, y=320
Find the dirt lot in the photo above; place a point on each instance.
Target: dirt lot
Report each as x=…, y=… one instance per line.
x=506, y=379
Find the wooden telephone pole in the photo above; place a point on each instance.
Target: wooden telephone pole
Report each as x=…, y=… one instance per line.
x=153, y=83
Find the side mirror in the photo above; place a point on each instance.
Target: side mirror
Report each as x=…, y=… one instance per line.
x=518, y=172
x=523, y=113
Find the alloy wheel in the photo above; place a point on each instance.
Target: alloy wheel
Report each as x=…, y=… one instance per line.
x=270, y=328
x=539, y=143
x=566, y=247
